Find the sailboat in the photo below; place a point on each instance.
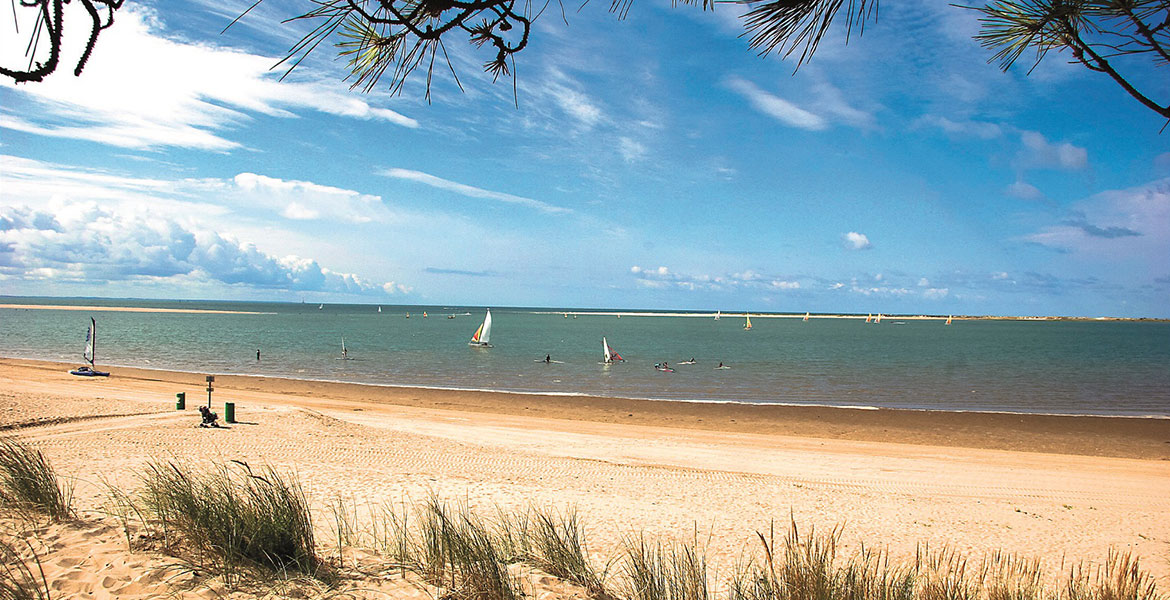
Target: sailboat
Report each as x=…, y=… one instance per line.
x=344, y=351
x=608, y=354
x=379, y=309
x=949, y=319
x=320, y=306
x=484, y=333
x=878, y=319
x=747, y=326
x=716, y=315
x=806, y=316
x=90, y=353
x=868, y=318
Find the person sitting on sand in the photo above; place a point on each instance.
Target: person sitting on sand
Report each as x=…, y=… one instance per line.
x=209, y=418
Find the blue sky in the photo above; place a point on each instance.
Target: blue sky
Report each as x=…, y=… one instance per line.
x=654, y=162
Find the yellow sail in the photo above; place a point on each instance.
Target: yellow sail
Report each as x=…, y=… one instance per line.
x=748, y=324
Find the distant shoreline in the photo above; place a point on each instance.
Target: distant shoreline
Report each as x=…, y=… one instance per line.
x=812, y=316
x=140, y=309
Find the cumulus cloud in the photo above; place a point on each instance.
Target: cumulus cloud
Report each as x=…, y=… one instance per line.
x=855, y=241
x=469, y=191
x=777, y=107
x=83, y=242
x=144, y=91
x=1038, y=153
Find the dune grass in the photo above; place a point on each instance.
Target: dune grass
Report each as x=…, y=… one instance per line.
x=655, y=571
x=460, y=552
x=28, y=484
x=236, y=518
x=18, y=580
x=557, y=545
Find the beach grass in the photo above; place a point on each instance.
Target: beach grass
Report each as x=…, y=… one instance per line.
x=235, y=517
x=460, y=553
x=18, y=579
x=28, y=485
x=557, y=545
x=655, y=571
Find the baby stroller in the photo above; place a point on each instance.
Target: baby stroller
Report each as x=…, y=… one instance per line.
x=209, y=418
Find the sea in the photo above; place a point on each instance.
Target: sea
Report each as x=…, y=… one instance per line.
x=1100, y=367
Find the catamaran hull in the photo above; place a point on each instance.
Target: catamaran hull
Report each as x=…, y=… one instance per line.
x=479, y=344
x=88, y=373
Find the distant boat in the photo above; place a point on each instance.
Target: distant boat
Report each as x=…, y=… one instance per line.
x=806, y=316
x=868, y=318
x=90, y=353
x=948, y=319
x=424, y=314
x=566, y=315
x=320, y=306
x=450, y=316
x=344, y=351
x=608, y=354
x=747, y=326
x=407, y=315
x=379, y=309
x=483, y=334
x=878, y=319
x=716, y=315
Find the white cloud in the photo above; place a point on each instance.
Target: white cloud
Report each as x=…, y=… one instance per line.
x=1118, y=225
x=140, y=90
x=777, y=107
x=1024, y=191
x=81, y=242
x=936, y=293
x=662, y=277
x=965, y=128
x=923, y=282
x=575, y=103
x=855, y=241
x=469, y=191
x=631, y=150
x=1038, y=153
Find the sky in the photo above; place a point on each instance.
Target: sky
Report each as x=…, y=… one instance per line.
x=653, y=162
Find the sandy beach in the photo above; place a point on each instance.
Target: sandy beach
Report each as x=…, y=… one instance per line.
x=1055, y=488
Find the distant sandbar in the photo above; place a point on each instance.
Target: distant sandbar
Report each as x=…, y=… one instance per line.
x=142, y=309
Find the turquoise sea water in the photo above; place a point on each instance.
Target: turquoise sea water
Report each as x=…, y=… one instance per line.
x=1108, y=368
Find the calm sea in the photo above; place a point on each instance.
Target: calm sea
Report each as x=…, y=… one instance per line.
x=1107, y=368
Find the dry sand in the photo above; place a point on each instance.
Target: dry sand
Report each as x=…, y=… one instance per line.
x=1056, y=488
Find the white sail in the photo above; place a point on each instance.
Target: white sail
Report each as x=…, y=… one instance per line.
x=344, y=352
x=90, y=341
x=484, y=333
x=605, y=350
x=716, y=315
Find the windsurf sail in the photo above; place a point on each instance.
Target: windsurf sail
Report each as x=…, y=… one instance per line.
x=747, y=326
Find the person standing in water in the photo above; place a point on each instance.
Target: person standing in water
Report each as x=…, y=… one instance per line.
x=257, y=354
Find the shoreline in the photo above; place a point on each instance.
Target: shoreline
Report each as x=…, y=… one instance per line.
x=1145, y=438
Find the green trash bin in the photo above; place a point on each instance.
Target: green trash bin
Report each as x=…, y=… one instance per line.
x=229, y=412
x=181, y=401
